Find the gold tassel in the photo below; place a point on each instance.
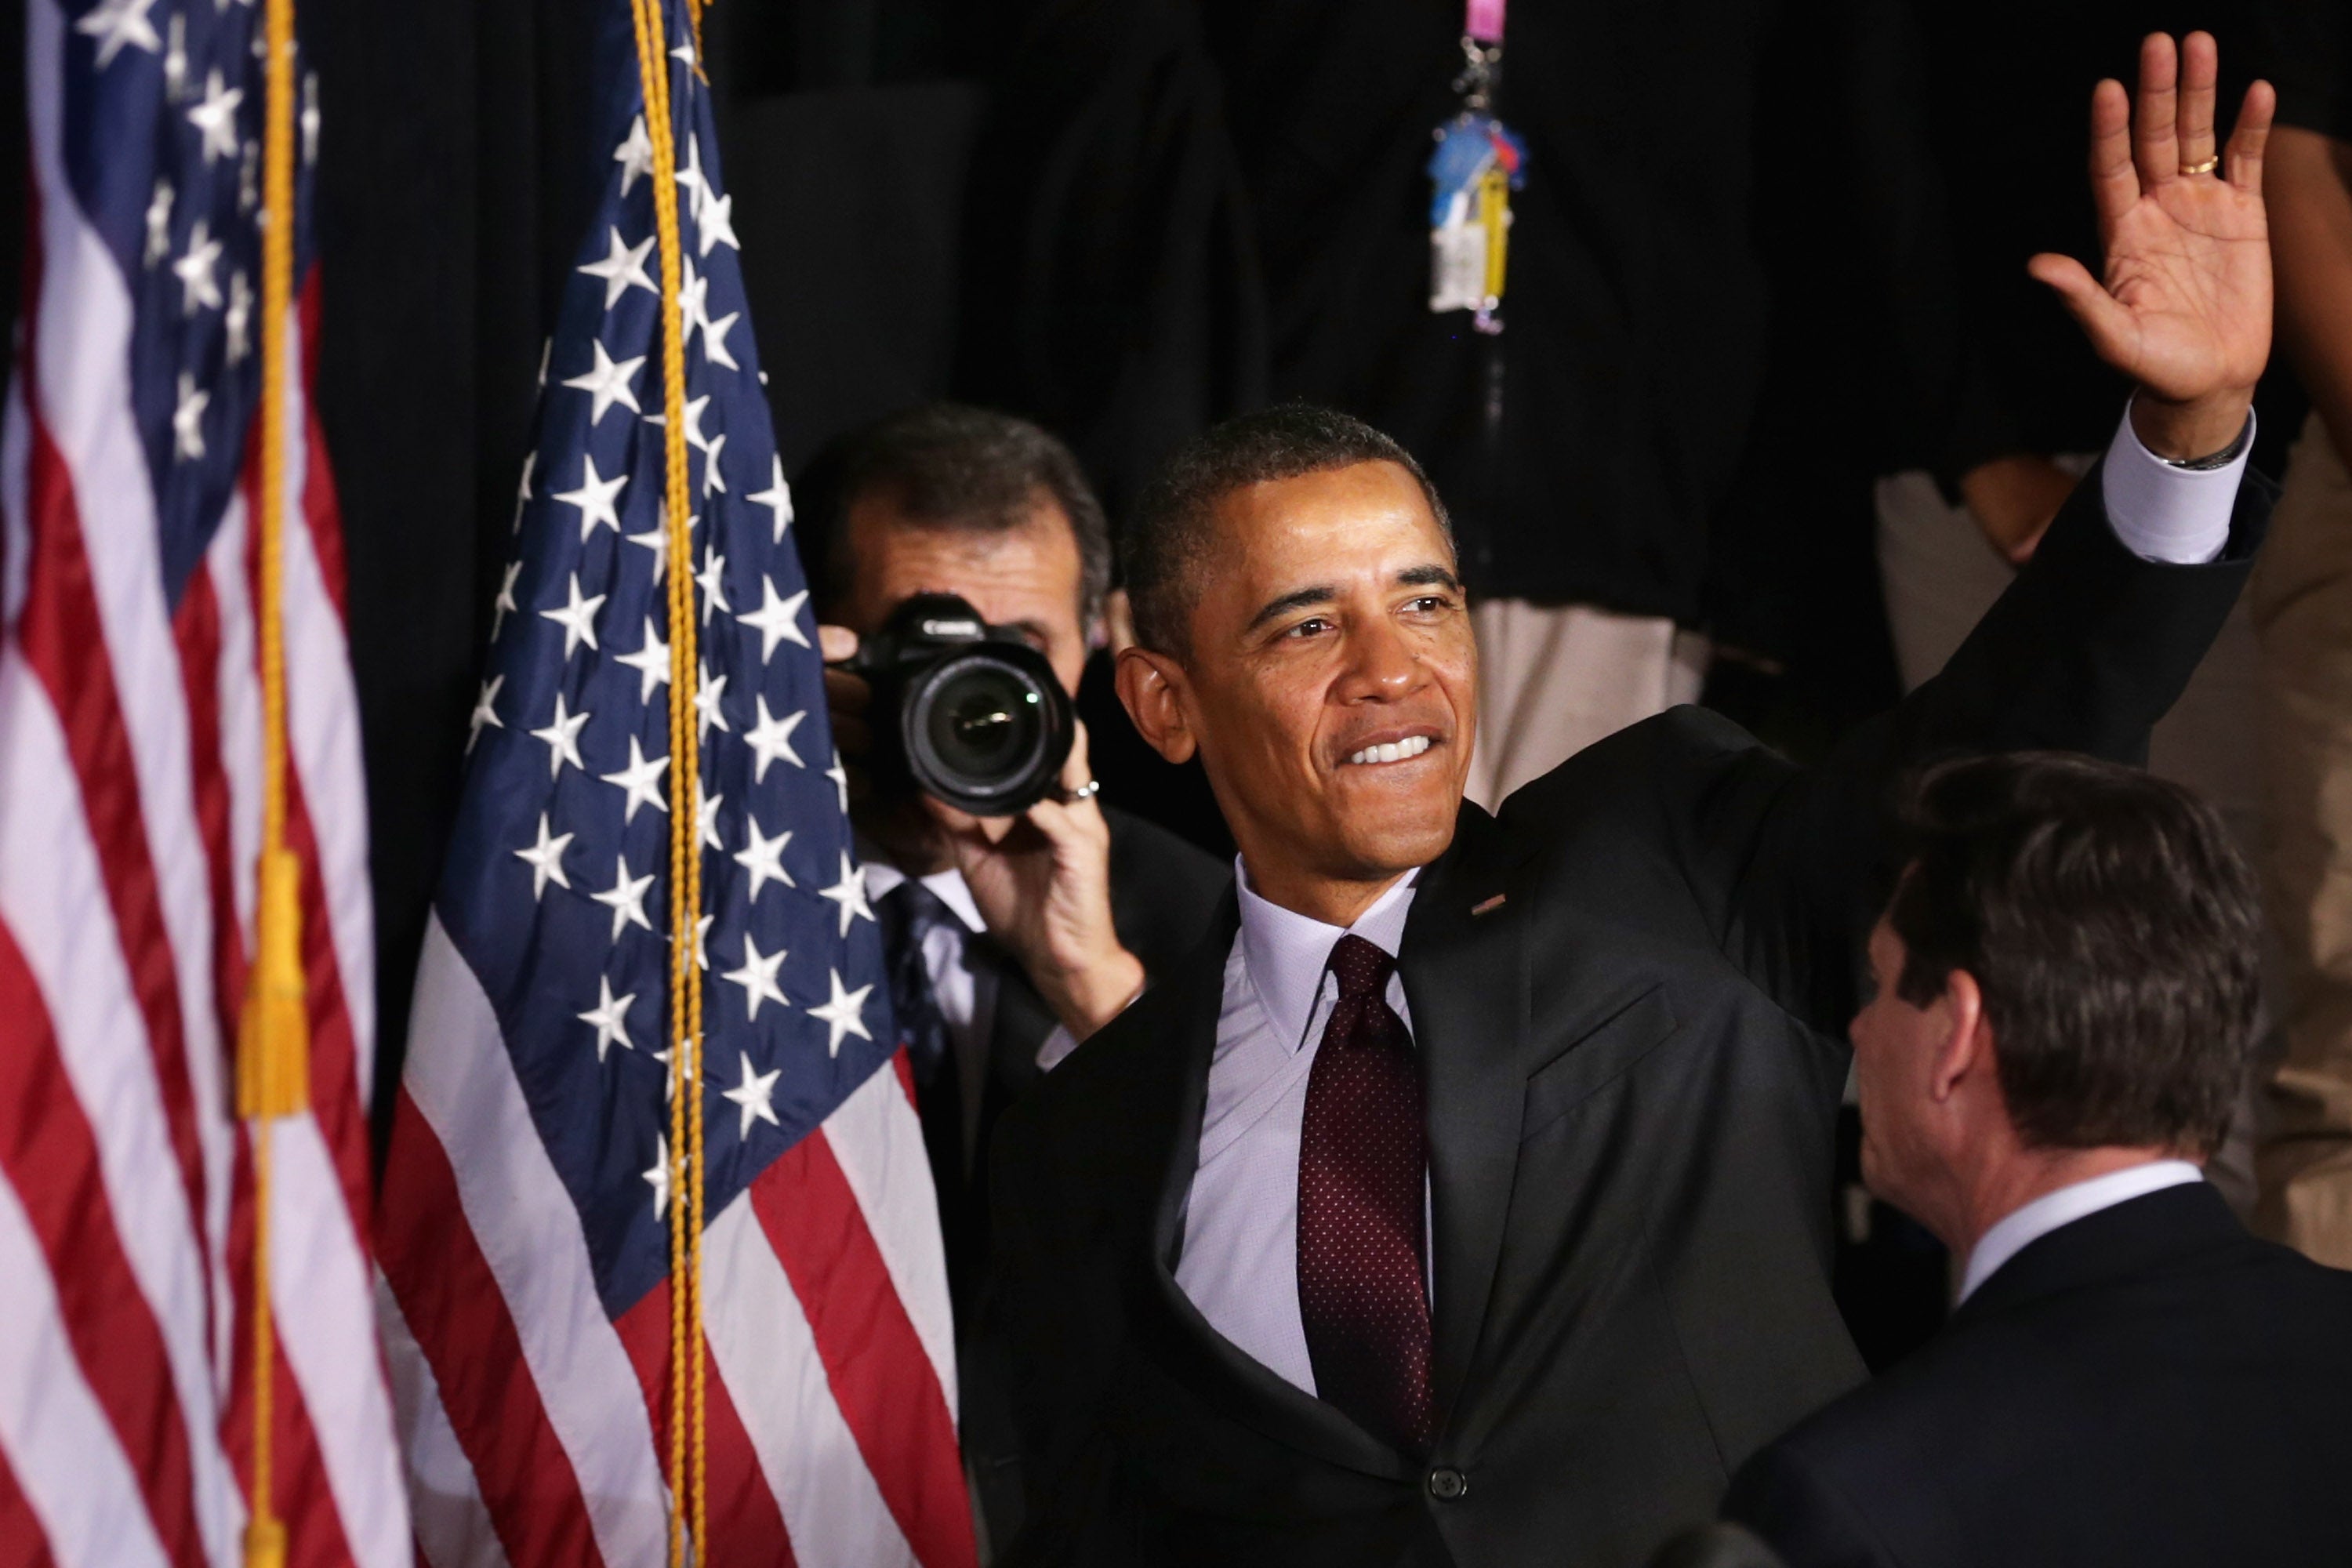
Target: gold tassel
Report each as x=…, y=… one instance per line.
x=265, y=1545
x=273, y=1054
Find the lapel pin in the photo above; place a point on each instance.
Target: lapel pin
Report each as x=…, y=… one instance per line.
x=1488, y=906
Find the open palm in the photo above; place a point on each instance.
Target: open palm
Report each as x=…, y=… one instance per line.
x=2184, y=308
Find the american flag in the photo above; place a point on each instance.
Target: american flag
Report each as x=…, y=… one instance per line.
x=130, y=781
x=528, y=1183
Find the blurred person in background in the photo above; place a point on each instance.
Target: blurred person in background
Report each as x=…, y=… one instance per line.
x=1009, y=940
x=1182, y=209
x=2301, y=603
x=2063, y=1004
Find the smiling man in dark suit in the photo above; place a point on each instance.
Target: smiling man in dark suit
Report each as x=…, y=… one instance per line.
x=2066, y=984
x=1465, y=1198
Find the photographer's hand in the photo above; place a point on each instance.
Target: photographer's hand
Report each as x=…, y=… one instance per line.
x=847, y=698
x=1041, y=882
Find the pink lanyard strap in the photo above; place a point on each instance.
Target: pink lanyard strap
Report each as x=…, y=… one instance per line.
x=1483, y=19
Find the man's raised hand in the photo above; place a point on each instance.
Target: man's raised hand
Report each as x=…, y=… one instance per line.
x=2184, y=307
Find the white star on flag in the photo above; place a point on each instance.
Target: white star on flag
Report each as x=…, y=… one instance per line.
x=764, y=858
x=776, y=620
x=626, y=898
x=772, y=737
x=657, y=1178
x=715, y=224
x=758, y=977
x=714, y=340
x=636, y=156
x=642, y=780
x=505, y=604
x=777, y=498
x=707, y=816
x=239, y=321
x=844, y=1012
x=840, y=777
x=198, y=288
x=562, y=738
x=755, y=1095
x=606, y=381
x=483, y=712
x=849, y=893
x=607, y=1017
x=624, y=266
x=215, y=117
x=707, y=695
x=651, y=661
x=595, y=497
x=117, y=24
x=711, y=580
x=545, y=860
x=188, y=418
x=577, y=617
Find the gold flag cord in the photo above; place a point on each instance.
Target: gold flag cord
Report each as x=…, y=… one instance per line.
x=687, y=1469
x=273, y=1034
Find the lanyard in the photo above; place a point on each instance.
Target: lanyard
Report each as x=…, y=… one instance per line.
x=1483, y=20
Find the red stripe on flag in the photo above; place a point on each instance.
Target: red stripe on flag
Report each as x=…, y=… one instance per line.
x=337, y=1097
x=64, y=644
x=23, y=1542
x=451, y=1301
x=881, y=1378
x=747, y=1526
x=196, y=627
x=314, y=1530
x=316, y=500
x=51, y=1160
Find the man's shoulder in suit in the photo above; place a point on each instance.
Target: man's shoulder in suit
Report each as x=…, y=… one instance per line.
x=2154, y=1388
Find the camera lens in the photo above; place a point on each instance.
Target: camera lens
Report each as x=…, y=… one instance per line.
x=985, y=732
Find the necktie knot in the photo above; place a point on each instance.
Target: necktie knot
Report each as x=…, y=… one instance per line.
x=911, y=912
x=1362, y=969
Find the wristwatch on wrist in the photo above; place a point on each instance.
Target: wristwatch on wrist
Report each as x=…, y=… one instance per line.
x=2220, y=460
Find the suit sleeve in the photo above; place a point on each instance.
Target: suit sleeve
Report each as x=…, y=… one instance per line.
x=1801, y=1515
x=2087, y=649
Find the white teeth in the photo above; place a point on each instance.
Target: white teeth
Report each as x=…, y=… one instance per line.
x=1392, y=751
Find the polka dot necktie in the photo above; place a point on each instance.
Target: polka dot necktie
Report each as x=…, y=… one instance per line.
x=1363, y=1160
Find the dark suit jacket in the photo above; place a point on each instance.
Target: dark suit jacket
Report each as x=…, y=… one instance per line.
x=1163, y=894
x=2149, y=1387
x=1631, y=1065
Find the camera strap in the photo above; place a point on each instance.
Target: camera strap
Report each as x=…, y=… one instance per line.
x=1478, y=164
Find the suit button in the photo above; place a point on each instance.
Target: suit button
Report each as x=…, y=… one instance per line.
x=1446, y=1484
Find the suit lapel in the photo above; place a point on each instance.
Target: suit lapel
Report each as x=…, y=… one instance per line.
x=1465, y=979
x=1191, y=1349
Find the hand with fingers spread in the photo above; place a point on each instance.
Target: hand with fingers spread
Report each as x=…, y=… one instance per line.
x=2183, y=306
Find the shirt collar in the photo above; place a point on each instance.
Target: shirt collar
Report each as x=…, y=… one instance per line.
x=1287, y=952
x=2023, y=1227
x=950, y=887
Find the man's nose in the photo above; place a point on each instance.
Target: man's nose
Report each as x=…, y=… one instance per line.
x=1381, y=666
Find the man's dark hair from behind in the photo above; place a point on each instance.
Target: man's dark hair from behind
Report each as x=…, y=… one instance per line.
x=2114, y=930
x=1166, y=543
x=946, y=466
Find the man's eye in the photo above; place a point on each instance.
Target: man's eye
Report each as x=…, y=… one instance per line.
x=1314, y=626
x=1428, y=604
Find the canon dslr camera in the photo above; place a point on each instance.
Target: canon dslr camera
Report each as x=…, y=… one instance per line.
x=964, y=712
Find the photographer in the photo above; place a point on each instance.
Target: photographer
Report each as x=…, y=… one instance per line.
x=1009, y=938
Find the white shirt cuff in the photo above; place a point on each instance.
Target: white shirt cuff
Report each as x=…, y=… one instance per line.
x=2164, y=512
x=1059, y=1043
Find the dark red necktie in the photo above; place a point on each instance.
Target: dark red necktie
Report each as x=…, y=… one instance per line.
x=1363, y=1293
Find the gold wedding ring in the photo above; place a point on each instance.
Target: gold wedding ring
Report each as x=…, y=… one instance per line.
x=2207, y=167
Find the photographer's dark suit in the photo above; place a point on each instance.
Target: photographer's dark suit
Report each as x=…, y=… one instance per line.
x=1163, y=895
x=1628, y=995
x=2146, y=1387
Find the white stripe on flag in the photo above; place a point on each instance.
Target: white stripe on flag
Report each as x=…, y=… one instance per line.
x=239, y=683
x=878, y=1141
x=760, y=1337
x=326, y=1315
x=58, y=1442
x=53, y=901
x=522, y=1217
x=444, y=1496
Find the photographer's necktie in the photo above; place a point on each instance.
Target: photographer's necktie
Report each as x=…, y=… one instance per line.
x=1364, y=1163
x=908, y=913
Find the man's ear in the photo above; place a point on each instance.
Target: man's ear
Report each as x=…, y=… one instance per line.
x=1152, y=687
x=1965, y=1050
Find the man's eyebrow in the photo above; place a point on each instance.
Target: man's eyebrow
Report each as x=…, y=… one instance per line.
x=1430, y=576
x=1298, y=599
